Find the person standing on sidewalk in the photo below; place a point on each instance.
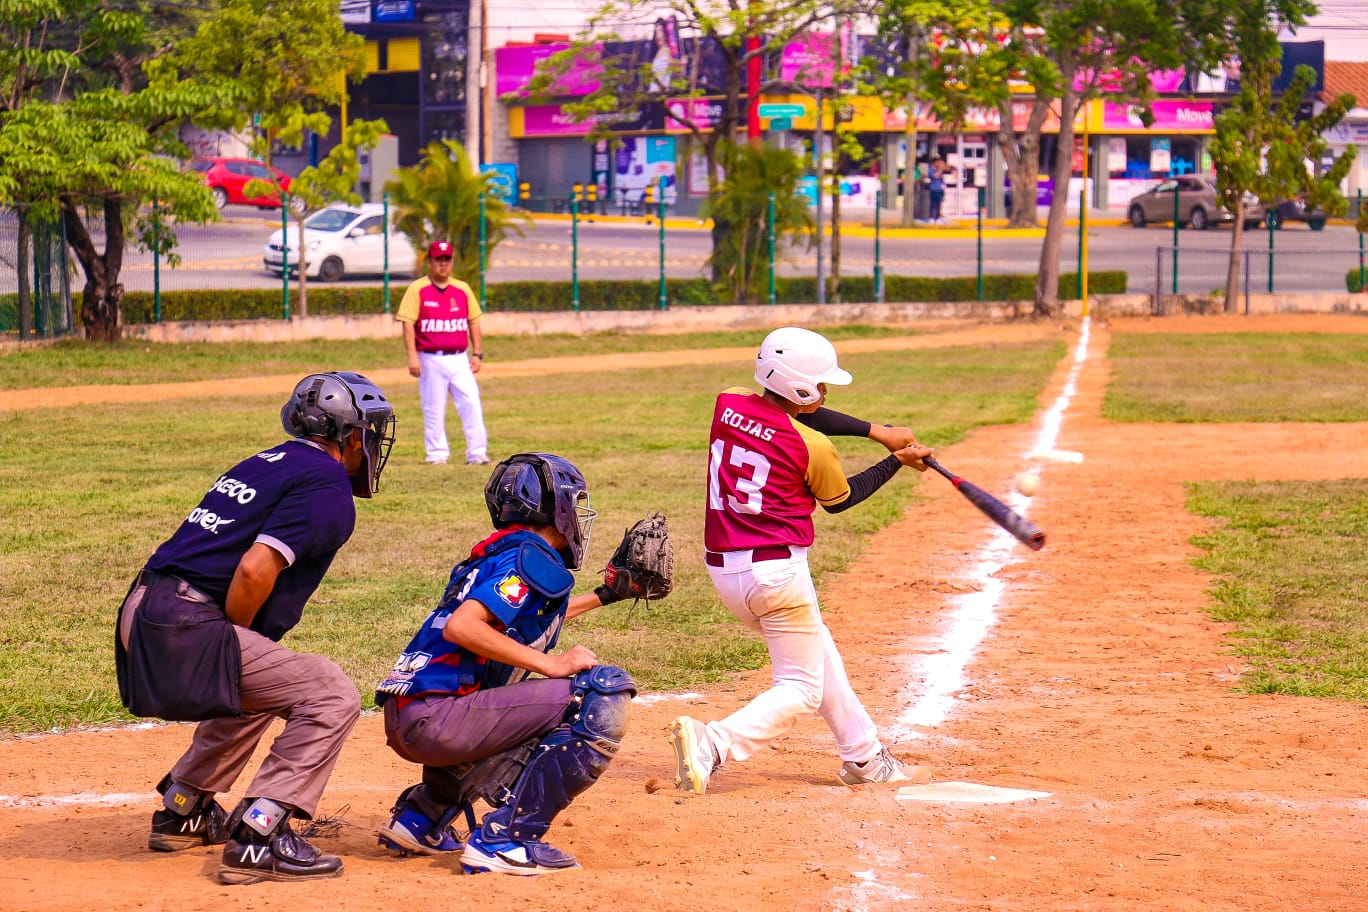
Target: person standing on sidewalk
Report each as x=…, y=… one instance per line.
x=442, y=335
x=770, y=464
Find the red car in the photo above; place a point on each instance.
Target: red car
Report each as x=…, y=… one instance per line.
x=227, y=178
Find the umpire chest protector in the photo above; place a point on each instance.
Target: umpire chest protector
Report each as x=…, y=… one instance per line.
x=521, y=580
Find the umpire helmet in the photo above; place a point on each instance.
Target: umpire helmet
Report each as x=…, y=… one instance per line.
x=793, y=361
x=544, y=490
x=334, y=404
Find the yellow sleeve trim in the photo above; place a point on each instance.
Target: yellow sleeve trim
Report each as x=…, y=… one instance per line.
x=825, y=477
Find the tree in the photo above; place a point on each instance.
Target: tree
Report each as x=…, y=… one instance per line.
x=752, y=175
x=88, y=123
x=737, y=32
x=1065, y=53
x=439, y=198
x=287, y=62
x=1262, y=149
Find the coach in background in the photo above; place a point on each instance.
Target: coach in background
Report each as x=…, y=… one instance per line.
x=198, y=634
x=442, y=334
x=770, y=464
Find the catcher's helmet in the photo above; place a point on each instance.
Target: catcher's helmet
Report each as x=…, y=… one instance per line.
x=792, y=361
x=334, y=404
x=545, y=490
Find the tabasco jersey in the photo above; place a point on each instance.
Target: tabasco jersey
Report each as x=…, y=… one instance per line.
x=766, y=474
x=441, y=317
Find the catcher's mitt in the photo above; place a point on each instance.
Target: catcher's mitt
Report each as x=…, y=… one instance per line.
x=642, y=567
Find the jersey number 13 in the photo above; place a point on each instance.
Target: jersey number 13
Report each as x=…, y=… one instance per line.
x=752, y=471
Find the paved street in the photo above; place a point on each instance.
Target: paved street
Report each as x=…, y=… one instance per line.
x=228, y=255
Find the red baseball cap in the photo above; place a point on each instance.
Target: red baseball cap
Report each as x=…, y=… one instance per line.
x=439, y=250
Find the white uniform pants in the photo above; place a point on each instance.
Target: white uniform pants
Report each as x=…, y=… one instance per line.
x=777, y=599
x=444, y=375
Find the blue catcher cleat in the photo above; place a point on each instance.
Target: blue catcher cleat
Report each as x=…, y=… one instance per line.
x=509, y=856
x=411, y=832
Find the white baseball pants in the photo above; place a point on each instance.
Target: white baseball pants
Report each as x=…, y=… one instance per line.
x=444, y=375
x=777, y=599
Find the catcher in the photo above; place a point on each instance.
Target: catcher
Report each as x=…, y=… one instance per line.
x=477, y=697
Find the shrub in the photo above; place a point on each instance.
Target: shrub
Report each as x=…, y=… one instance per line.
x=598, y=294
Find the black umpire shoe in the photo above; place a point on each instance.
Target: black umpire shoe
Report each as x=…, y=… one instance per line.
x=206, y=825
x=250, y=857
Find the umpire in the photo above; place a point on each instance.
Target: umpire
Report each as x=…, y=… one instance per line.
x=198, y=633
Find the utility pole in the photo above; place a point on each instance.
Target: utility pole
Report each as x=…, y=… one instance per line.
x=820, y=168
x=474, y=126
x=909, y=211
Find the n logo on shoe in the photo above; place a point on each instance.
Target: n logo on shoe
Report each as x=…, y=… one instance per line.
x=191, y=824
x=254, y=854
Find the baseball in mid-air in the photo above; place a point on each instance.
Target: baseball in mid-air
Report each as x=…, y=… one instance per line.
x=1027, y=483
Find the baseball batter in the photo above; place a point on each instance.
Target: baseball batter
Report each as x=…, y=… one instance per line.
x=767, y=471
x=442, y=335
x=198, y=634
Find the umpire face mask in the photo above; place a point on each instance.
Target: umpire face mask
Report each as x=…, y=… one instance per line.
x=377, y=439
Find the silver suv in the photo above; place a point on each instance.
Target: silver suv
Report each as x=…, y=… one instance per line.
x=1197, y=206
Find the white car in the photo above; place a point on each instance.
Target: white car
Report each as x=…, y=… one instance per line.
x=342, y=240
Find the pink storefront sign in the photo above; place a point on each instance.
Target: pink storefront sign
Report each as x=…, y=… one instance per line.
x=1169, y=116
x=516, y=66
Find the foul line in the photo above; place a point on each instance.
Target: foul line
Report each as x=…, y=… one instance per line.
x=974, y=613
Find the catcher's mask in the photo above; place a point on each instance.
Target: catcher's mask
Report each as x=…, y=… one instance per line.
x=334, y=404
x=793, y=361
x=546, y=490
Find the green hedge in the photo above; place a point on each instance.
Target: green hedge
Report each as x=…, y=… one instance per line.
x=261, y=303
x=1353, y=280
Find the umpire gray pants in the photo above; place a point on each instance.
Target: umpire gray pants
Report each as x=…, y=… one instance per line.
x=320, y=706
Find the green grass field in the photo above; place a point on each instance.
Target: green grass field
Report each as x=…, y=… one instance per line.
x=1238, y=377
x=1290, y=560
x=75, y=362
x=86, y=494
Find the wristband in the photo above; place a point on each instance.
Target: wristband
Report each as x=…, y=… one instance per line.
x=478, y=355
x=606, y=596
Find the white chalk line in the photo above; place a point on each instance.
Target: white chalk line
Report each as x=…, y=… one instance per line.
x=938, y=672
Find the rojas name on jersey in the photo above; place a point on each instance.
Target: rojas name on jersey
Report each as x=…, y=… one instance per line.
x=433, y=325
x=747, y=425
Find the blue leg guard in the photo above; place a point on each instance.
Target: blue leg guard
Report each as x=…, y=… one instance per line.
x=570, y=758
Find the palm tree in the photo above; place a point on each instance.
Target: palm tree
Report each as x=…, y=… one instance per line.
x=741, y=258
x=439, y=199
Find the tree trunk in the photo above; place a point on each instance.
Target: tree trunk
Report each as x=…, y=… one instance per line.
x=1047, y=276
x=834, y=288
x=303, y=308
x=102, y=296
x=1233, y=267
x=1022, y=155
x=26, y=322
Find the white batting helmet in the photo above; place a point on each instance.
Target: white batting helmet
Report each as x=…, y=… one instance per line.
x=792, y=361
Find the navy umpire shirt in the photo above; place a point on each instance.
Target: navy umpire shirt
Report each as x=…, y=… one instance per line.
x=296, y=498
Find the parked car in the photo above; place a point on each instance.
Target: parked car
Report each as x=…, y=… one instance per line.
x=1197, y=206
x=341, y=240
x=1295, y=211
x=227, y=181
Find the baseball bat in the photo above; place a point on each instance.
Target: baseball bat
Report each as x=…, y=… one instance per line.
x=1022, y=528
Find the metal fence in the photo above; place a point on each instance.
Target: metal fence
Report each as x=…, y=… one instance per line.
x=35, y=291
x=1203, y=271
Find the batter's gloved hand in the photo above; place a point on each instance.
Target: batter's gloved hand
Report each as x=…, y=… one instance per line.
x=642, y=567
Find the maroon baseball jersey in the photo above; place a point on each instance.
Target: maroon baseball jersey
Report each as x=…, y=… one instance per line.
x=766, y=474
x=441, y=317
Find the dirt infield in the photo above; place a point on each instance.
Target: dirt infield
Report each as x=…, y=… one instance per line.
x=1101, y=681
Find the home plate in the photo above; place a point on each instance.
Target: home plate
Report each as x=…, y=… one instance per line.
x=969, y=792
